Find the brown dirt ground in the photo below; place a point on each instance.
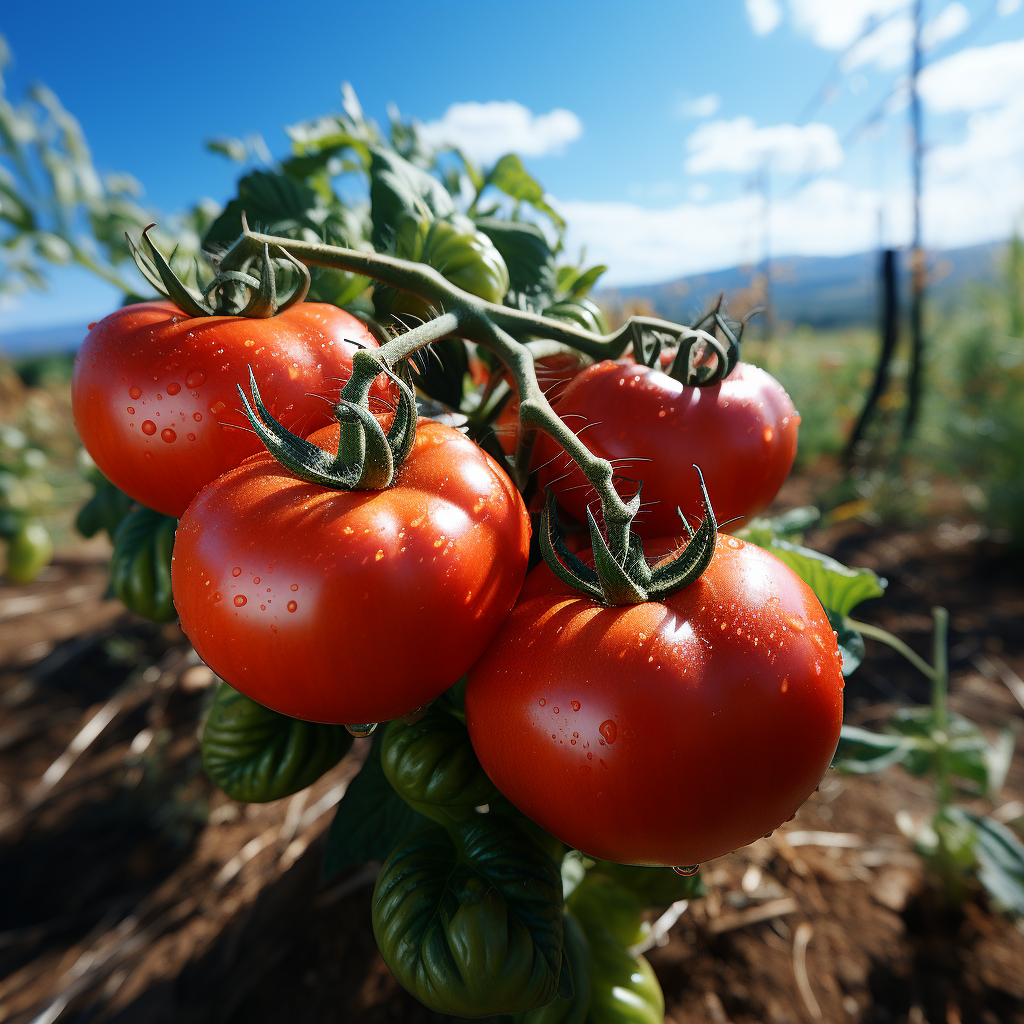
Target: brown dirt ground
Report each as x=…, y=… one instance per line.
x=132, y=891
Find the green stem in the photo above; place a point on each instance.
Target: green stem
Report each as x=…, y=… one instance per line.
x=885, y=637
x=940, y=711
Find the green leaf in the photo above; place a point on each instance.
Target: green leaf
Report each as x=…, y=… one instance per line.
x=861, y=752
x=530, y=261
x=838, y=587
x=511, y=177
x=233, y=149
x=399, y=192
x=472, y=925
x=256, y=755
x=851, y=643
x=273, y=203
x=370, y=821
x=575, y=957
x=105, y=510
x=582, y=285
x=140, y=566
x=1000, y=857
x=440, y=370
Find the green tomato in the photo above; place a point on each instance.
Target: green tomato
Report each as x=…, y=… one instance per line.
x=140, y=567
x=583, y=311
x=432, y=766
x=625, y=989
x=599, y=902
x=653, y=886
x=28, y=551
x=256, y=755
x=470, y=922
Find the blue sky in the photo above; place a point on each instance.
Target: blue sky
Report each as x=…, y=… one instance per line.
x=647, y=122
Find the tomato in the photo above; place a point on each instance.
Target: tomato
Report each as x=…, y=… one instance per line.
x=553, y=375
x=155, y=399
x=741, y=432
x=351, y=606
x=29, y=551
x=663, y=733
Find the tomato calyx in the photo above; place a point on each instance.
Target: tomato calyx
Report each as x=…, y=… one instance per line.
x=629, y=580
x=234, y=290
x=367, y=459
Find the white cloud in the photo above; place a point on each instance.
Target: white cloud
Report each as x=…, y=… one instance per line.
x=764, y=15
x=836, y=24
x=739, y=145
x=950, y=22
x=888, y=46
x=486, y=131
x=1006, y=7
x=702, y=106
x=975, y=79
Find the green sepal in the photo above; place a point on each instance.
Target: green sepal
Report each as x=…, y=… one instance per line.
x=140, y=566
x=104, y=510
x=432, y=766
x=256, y=755
x=471, y=922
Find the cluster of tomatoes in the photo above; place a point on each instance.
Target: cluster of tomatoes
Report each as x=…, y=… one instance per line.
x=658, y=733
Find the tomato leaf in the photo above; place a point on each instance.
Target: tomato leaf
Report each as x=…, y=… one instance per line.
x=472, y=925
x=370, y=821
x=573, y=1008
x=140, y=565
x=256, y=755
x=862, y=752
x=1000, y=856
x=530, y=261
x=511, y=177
x=399, y=191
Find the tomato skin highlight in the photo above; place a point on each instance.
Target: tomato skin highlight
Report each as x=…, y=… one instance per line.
x=155, y=398
x=349, y=607
x=664, y=733
x=742, y=432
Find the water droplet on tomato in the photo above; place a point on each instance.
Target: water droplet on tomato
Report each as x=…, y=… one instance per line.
x=148, y=427
x=89, y=327
x=361, y=730
x=195, y=379
x=131, y=410
x=173, y=389
x=239, y=600
x=687, y=870
x=292, y=606
x=295, y=586
x=542, y=702
x=256, y=580
x=414, y=716
x=575, y=704
x=768, y=433
x=191, y=437
x=168, y=435
x=555, y=710
x=198, y=417
x=608, y=730
x=135, y=392
x=237, y=571
x=584, y=769
x=217, y=595
x=573, y=742
x=380, y=554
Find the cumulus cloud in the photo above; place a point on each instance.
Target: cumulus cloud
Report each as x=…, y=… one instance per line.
x=888, y=46
x=836, y=24
x=764, y=15
x=975, y=79
x=486, y=131
x=739, y=145
x=702, y=106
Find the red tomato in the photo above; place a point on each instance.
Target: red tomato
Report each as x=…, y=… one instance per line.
x=741, y=432
x=553, y=374
x=351, y=606
x=154, y=393
x=664, y=733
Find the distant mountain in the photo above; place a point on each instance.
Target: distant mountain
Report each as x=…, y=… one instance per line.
x=43, y=340
x=819, y=291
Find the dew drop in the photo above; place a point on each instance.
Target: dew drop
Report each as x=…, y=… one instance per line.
x=575, y=705
x=239, y=600
x=380, y=554
x=687, y=870
x=361, y=730
x=195, y=379
x=584, y=769
x=767, y=435
x=256, y=580
x=542, y=702
x=135, y=392
x=292, y=606
x=217, y=595
x=168, y=435
x=173, y=389
x=191, y=437
x=131, y=410
x=148, y=427
x=555, y=710
x=414, y=716
x=237, y=571
x=608, y=730
x=295, y=586
x=198, y=417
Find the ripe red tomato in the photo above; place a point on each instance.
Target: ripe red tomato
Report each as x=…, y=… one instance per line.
x=154, y=393
x=351, y=606
x=664, y=733
x=553, y=374
x=741, y=432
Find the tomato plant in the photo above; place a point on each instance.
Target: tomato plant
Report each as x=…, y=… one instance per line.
x=154, y=390
x=742, y=431
x=351, y=606
x=728, y=722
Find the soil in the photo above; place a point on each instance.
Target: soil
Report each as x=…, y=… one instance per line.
x=132, y=891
